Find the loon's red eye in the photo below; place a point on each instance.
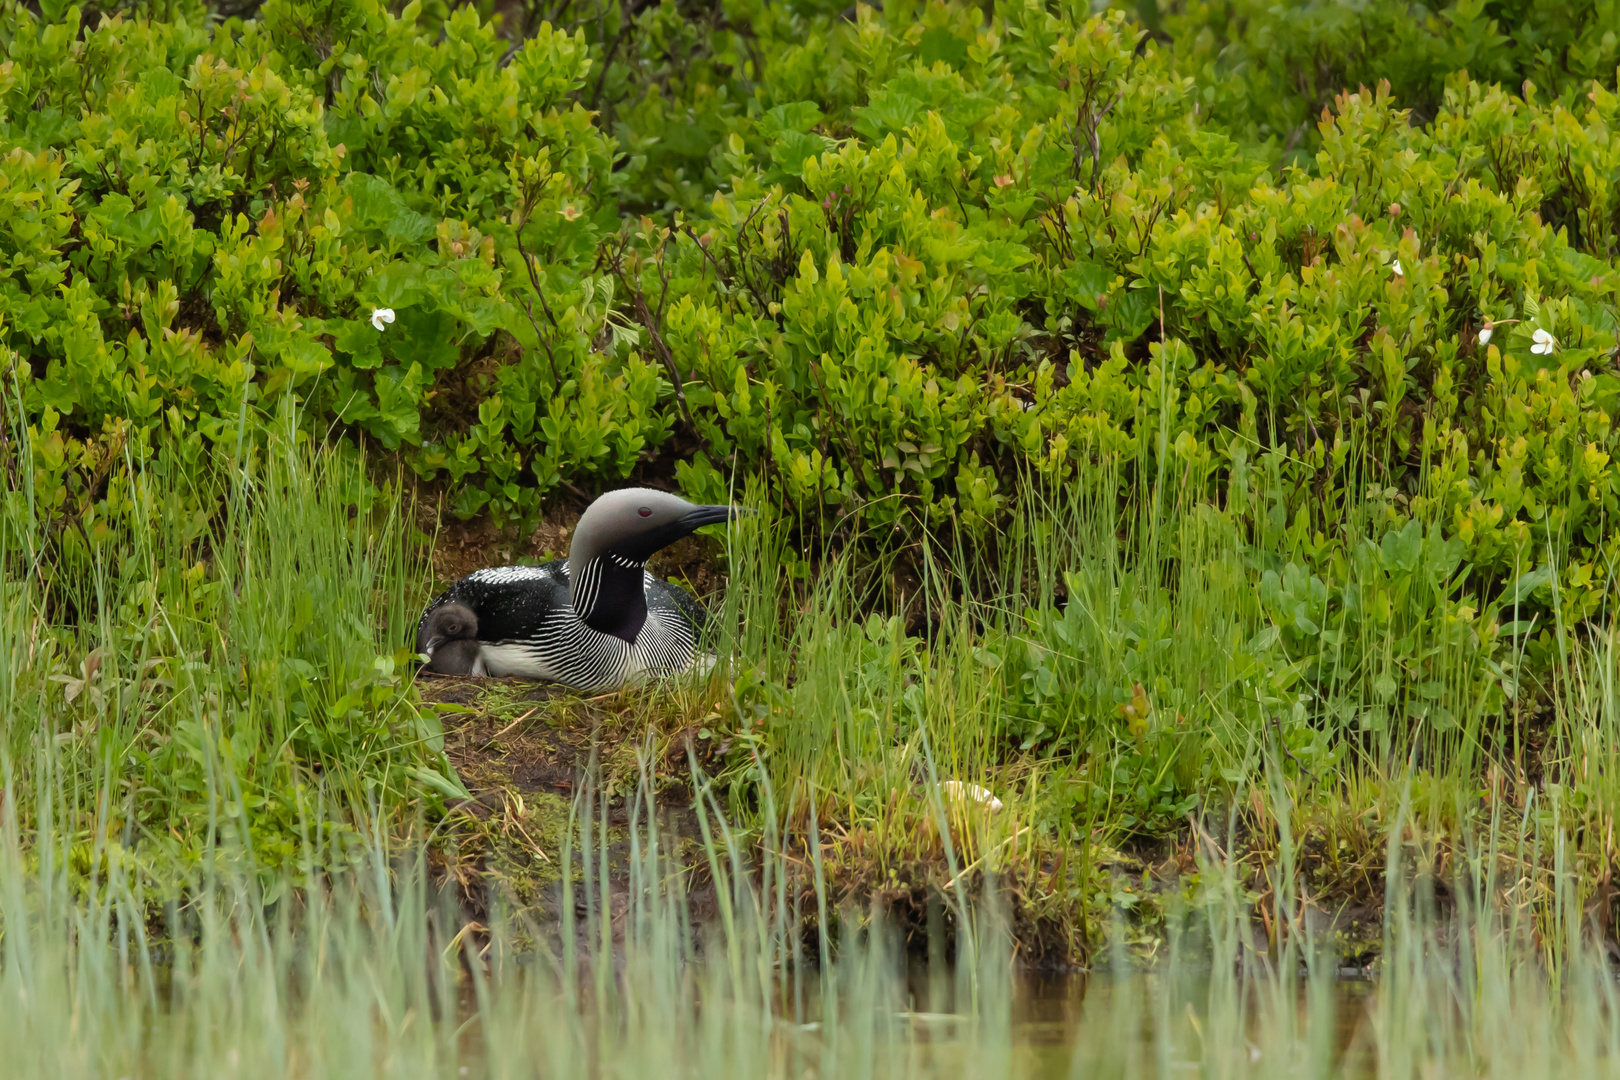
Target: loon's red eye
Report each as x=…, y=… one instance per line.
x=645, y=511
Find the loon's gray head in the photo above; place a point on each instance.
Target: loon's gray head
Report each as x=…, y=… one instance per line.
x=614, y=539
x=634, y=523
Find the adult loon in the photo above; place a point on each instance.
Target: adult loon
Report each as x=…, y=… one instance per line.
x=594, y=621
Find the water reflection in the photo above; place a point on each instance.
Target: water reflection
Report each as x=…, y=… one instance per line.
x=1134, y=1023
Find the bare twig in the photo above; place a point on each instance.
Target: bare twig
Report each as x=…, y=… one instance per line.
x=849, y=446
x=719, y=272
x=653, y=321
x=1088, y=118
x=7, y=463
x=534, y=280
x=767, y=437
x=491, y=741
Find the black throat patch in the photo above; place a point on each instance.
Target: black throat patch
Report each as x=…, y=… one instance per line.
x=610, y=597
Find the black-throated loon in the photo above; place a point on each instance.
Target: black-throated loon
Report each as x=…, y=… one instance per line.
x=594, y=621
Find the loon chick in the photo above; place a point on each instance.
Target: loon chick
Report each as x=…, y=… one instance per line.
x=594, y=621
x=448, y=634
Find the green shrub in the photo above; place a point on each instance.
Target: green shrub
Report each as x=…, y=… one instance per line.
x=965, y=285
x=199, y=221
x=892, y=264
x=1268, y=70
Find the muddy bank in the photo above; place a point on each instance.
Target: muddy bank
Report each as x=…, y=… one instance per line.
x=524, y=750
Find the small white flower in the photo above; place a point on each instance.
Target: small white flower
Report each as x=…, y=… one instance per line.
x=1545, y=343
x=381, y=317
x=958, y=790
x=1485, y=335
x=1396, y=266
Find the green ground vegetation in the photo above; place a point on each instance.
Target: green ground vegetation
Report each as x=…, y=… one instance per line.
x=376, y=974
x=1155, y=412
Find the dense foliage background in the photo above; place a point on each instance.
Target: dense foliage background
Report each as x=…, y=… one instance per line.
x=886, y=259
x=1345, y=273
x=883, y=258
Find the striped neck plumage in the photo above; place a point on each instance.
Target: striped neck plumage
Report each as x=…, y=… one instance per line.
x=609, y=595
x=613, y=540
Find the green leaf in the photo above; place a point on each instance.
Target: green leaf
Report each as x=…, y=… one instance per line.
x=357, y=339
x=792, y=148
x=1403, y=547
x=1085, y=283
x=450, y=787
x=1264, y=641
x=425, y=335
x=400, y=285
x=795, y=116
x=1525, y=584
x=940, y=44
x=379, y=208
x=1129, y=313
x=887, y=112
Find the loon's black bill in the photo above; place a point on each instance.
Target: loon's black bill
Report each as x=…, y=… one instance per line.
x=709, y=515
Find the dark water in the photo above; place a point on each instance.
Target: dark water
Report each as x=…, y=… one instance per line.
x=1138, y=1023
